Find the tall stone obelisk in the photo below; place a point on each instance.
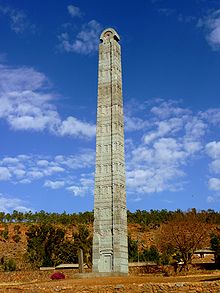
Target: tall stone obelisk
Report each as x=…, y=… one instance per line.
x=110, y=248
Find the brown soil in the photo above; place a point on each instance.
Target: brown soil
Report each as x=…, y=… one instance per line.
x=38, y=281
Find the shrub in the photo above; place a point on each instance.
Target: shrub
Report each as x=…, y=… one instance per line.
x=57, y=276
x=9, y=265
x=17, y=229
x=215, y=245
x=16, y=238
x=151, y=254
x=4, y=233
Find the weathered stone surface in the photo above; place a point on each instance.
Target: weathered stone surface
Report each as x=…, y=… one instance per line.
x=110, y=251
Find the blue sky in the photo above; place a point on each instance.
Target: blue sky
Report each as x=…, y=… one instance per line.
x=48, y=92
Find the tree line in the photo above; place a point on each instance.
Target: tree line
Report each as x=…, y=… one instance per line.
x=143, y=217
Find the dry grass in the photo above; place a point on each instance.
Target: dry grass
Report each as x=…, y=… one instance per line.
x=38, y=281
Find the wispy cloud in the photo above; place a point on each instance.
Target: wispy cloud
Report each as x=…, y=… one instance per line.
x=8, y=204
x=166, y=11
x=60, y=171
x=211, y=26
x=85, y=42
x=27, y=103
x=83, y=187
x=134, y=123
x=17, y=19
x=4, y=174
x=213, y=150
x=74, y=11
x=132, y=119
x=54, y=184
x=73, y=173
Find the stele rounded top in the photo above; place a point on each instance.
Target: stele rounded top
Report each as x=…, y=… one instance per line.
x=109, y=33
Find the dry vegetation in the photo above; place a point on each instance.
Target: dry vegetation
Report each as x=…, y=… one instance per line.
x=173, y=232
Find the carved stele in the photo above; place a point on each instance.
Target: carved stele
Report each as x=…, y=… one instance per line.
x=110, y=248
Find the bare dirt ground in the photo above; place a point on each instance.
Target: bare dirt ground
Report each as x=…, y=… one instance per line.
x=38, y=281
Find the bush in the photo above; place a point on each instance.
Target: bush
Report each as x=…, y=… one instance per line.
x=151, y=254
x=5, y=233
x=215, y=245
x=132, y=250
x=57, y=276
x=17, y=229
x=9, y=265
x=16, y=238
x=165, y=258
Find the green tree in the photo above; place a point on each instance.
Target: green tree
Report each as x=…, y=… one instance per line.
x=47, y=245
x=132, y=249
x=43, y=243
x=215, y=245
x=83, y=240
x=151, y=254
x=2, y=217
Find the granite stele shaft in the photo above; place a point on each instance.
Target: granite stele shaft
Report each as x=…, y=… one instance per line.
x=110, y=247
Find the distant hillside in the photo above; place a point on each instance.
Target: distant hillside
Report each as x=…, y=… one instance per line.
x=143, y=228
x=14, y=247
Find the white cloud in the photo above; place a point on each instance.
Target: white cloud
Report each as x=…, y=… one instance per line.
x=214, y=184
x=153, y=169
x=42, y=163
x=195, y=128
x=74, y=11
x=76, y=190
x=84, y=187
x=10, y=160
x=192, y=147
x=35, y=174
x=27, y=104
x=26, y=169
x=54, y=184
x=134, y=123
x=212, y=116
x=167, y=109
x=53, y=169
x=4, y=174
x=211, y=199
x=165, y=127
x=17, y=18
x=19, y=173
x=85, y=42
x=153, y=180
x=174, y=139
x=8, y=204
x=84, y=159
x=75, y=127
x=215, y=166
x=213, y=149
x=211, y=24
